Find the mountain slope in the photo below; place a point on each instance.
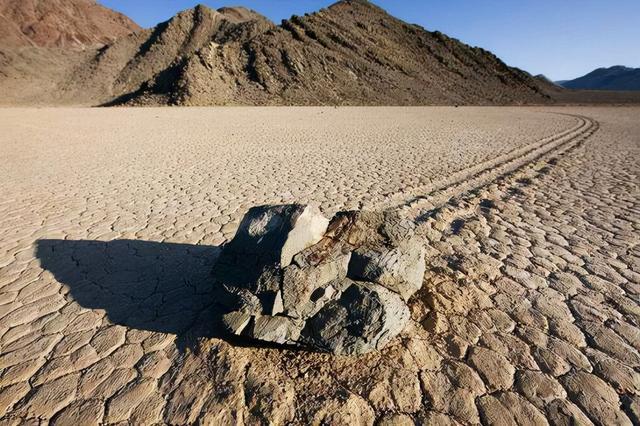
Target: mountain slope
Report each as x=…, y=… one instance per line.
x=153, y=58
x=60, y=23
x=613, y=78
x=350, y=53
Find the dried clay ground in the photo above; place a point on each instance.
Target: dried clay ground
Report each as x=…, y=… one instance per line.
x=111, y=219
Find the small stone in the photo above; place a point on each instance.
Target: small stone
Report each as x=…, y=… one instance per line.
x=235, y=322
x=276, y=329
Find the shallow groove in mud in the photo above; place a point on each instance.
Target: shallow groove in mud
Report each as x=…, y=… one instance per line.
x=437, y=194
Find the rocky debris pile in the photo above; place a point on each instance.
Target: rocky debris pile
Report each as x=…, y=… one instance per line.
x=341, y=286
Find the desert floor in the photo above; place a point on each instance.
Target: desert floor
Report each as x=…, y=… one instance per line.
x=111, y=219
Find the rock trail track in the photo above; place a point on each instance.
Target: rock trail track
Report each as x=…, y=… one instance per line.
x=529, y=313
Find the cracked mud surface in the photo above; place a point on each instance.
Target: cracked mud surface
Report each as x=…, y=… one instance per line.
x=110, y=221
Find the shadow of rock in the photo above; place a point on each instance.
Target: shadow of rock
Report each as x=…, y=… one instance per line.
x=160, y=287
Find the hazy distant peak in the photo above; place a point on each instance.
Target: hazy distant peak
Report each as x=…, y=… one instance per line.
x=617, y=77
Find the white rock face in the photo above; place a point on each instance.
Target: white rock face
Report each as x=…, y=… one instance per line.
x=308, y=227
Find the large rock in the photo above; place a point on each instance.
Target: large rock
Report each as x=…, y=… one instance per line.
x=291, y=277
x=266, y=241
x=272, y=235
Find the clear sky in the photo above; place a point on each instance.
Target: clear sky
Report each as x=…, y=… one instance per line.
x=562, y=39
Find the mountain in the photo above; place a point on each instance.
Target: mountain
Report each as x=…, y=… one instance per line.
x=147, y=65
x=351, y=53
x=613, y=78
x=60, y=23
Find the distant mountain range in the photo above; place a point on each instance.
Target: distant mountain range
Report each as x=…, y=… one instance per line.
x=612, y=78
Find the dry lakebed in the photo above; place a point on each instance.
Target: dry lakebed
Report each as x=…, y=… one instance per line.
x=113, y=219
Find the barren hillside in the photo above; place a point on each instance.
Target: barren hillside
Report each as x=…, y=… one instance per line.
x=60, y=23
x=350, y=53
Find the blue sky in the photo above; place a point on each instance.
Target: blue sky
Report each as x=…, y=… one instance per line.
x=562, y=39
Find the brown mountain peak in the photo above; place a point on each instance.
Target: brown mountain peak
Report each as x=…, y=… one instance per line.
x=60, y=23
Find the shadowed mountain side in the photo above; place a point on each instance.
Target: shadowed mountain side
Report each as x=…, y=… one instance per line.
x=351, y=53
x=152, y=286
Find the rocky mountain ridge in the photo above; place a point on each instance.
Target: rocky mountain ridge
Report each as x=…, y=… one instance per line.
x=351, y=53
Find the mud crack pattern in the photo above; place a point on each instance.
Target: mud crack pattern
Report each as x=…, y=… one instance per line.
x=529, y=312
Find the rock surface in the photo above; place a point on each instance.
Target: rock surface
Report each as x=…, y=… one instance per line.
x=290, y=278
x=365, y=318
